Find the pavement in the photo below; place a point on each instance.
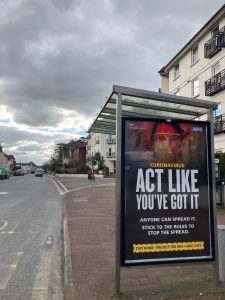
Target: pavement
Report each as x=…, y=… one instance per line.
x=89, y=256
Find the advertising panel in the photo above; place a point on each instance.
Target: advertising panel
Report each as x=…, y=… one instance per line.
x=166, y=192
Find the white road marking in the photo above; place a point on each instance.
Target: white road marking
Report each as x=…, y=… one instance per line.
x=4, y=225
x=40, y=289
x=11, y=268
x=89, y=186
x=58, y=188
x=80, y=200
x=49, y=240
x=4, y=193
x=62, y=186
x=13, y=230
x=18, y=181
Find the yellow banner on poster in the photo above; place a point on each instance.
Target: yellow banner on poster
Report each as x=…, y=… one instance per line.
x=165, y=247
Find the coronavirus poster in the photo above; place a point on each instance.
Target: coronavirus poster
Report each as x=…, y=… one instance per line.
x=166, y=192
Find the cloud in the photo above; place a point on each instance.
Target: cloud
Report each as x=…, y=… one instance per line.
x=59, y=59
x=32, y=144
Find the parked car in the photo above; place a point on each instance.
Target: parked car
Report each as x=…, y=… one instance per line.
x=5, y=172
x=19, y=172
x=1, y=175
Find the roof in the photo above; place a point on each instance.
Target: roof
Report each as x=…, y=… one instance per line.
x=10, y=156
x=147, y=104
x=211, y=22
x=75, y=144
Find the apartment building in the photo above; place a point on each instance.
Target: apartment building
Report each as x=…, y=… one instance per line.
x=198, y=71
x=106, y=145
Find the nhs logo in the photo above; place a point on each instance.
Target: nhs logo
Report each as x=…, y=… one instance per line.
x=197, y=129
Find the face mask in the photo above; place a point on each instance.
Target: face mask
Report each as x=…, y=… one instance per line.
x=164, y=151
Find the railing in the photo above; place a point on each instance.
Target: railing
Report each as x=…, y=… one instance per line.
x=111, y=141
x=219, y=124
x=215, y=44
x=215, y=84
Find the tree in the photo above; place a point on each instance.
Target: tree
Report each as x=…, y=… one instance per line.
x=222, y=165
x=62, y=159
x=98, y=160
x=58, y=153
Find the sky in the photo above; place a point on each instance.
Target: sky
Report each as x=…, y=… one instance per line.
x=60, y=58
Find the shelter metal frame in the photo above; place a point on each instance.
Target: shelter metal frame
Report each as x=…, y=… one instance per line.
x=128, y=102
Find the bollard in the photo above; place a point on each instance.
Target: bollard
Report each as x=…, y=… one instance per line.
x=221, y=250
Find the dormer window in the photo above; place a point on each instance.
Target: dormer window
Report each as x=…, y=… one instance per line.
x=176, y=71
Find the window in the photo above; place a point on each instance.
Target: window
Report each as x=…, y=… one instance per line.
x=215, y=30
x=194, y=55
x=218, y=150
x=195, y=87
x=215, y=69
x=176, y=71
x=216, y=36
x=218, y=111
x=216, y=76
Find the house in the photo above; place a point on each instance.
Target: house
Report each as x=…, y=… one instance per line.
x=78, y=152
x=75, y=152
x=28, y=167
x=105, y=144
x=198, y=71
x=11, y=161
x=7, y=161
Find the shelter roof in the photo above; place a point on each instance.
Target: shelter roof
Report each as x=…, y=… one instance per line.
x=147, y=104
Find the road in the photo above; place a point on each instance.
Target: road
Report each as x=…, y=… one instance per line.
x=30, y=239
x=75, y=183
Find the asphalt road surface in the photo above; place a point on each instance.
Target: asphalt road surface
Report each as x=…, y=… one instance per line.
x=75, y=183
x=30, y=239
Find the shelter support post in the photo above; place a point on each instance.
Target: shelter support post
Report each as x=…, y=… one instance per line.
x=216, y=262
x=118, y=189
x=221, y=247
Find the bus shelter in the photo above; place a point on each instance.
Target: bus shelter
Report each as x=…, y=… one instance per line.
x=131, y=113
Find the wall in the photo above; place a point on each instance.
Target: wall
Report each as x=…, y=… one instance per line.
x=201, y=69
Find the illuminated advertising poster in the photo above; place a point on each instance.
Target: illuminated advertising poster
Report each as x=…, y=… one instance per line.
x=166, y=192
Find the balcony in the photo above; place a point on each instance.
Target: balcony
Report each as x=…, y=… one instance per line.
x=215, y=44
x=219, y=124
x=215, y=84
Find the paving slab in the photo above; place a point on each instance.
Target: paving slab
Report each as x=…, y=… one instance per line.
x=90, y=215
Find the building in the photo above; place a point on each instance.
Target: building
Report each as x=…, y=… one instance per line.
x=7, y=161
x=78, y=153
x=74, y=152
x=198, y=71
x=105, y=144
x=27, y=167
x=11, y=161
